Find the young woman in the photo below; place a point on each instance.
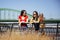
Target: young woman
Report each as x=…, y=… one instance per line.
x=35, y=21
x=22, y=19
x=41, y=17
x=41, y=20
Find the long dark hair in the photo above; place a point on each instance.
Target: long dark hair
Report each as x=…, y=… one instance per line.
x=35, y=18
x=22, y=12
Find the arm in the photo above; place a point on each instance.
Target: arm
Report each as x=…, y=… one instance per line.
x=36, y=21
x=26, y=18
x=31, y=21
x=27, y=21
x=19, y=22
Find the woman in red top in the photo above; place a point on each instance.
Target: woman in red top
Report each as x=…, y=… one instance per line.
x=22, y=19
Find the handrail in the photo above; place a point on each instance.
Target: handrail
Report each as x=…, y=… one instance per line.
x=12, y=23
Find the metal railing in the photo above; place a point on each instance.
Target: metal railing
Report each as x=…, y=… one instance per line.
x=53, y=30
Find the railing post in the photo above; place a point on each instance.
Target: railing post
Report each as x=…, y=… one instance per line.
x=11, y=27
x=57, y=30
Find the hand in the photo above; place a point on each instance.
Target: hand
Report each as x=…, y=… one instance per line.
x=34, y=21
x=19, y=24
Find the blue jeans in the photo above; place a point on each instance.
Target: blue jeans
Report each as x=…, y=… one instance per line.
x=23, y=28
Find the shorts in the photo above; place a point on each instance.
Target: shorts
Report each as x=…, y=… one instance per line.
x=23, y=28
x=36, y=25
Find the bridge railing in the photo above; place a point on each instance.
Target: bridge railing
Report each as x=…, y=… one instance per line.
x=51, y=27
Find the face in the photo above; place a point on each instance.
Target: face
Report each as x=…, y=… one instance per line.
x=41, y=15
x=34, y=14
x=24, y=13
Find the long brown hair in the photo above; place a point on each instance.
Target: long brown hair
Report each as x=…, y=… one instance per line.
x=22, y=12
x=36, y=15
x=41, y=17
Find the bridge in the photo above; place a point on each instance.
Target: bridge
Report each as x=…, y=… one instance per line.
x=10, y=14
x=9, y=19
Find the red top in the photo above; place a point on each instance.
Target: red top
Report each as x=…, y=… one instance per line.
x=23, y=20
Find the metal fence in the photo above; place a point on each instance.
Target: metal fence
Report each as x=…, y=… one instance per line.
x=51, y=29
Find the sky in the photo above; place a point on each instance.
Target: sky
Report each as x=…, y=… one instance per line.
x=50, y=8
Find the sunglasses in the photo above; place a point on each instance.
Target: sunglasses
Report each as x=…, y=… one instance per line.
x=34, y=14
